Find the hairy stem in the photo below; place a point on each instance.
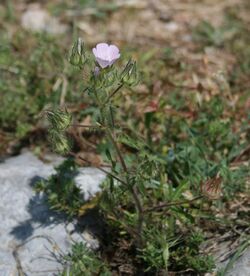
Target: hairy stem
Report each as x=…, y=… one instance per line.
x=99, y=168
x=169, y=204
x=113, y=93
x=134, y=190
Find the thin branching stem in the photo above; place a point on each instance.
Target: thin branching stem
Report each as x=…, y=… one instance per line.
x=169, y=204
x=110, y=136
x=113, y=93
x=134, y=191
x=99, y=168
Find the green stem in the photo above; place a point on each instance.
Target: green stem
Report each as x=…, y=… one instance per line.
x=169, y=204
x=113, y=93
x=133, y=190
x=99, y=168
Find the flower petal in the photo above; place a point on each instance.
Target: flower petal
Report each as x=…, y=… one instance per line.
x=114, y=52
x=103, y=51
x=103, y=63
x=106, y=54
x=102, y=47
x=113, y=61
x=94, y=52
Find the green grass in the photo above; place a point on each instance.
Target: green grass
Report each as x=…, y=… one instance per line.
x=81, y=260
x=35, y=75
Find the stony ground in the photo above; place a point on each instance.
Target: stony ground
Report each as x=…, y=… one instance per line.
x=33, y=238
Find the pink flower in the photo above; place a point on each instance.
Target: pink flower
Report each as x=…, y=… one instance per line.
x=106, y=54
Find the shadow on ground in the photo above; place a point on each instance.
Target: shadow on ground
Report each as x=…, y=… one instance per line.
x=40, y=215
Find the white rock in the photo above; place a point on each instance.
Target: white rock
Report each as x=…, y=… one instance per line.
x=88, y=181
x=29, y=232
x=38, y=20
x=241, y=266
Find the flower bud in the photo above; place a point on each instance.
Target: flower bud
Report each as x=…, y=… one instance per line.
x=77, y=54
x=96, y=71
x=130, y=75
x=126, y=69
x=59, y=120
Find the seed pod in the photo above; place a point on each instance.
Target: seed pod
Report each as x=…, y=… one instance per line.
x=59, y=120
x=130, y=75
x=60, y=142
x=212, y=188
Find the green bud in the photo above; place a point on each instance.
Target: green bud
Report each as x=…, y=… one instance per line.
x=77, y=54
x=130, y=75
x=59, y=120
x=126, y=69
x=60, y=142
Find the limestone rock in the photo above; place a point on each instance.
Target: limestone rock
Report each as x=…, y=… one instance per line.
x=38, y=20
x=241, y=266
x=31, y=235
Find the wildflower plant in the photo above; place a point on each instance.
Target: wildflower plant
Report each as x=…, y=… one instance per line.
x=138, y=197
